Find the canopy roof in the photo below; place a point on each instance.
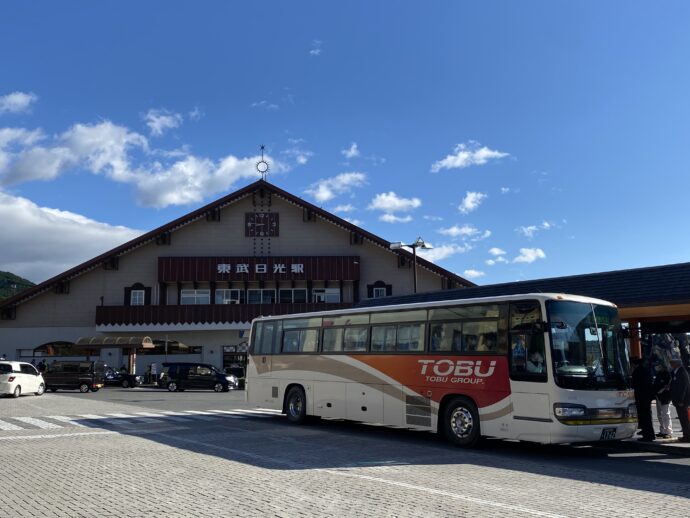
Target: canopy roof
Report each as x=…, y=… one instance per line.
x=115, y=341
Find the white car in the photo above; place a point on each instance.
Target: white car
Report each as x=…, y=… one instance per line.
x=17, y=378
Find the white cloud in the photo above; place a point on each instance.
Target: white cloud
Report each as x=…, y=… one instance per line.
x=40, y=242
x=315, y=48
x=499, y=259
x=354, y=221
x=473, y=274
x=352, y=152
x=17, y=102
x=529, y=255
x=391, y=202
x=433, y=218
x=531, y=230
x=484, y=235
x=329, y=188
x=466, y=155
x=441, y=252
x=265, y=105
x=457, y=231
x=108, y=149
x=161, y=120
x=343, y=208
x=505, y=190
x=392, y=218
x=195, y=114
x=495, y=251
x=299, y=155
x=13, y=138
x=471, y=201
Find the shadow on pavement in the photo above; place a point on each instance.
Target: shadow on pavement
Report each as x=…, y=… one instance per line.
x=270, y=442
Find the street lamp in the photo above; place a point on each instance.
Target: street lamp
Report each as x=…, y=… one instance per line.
x=417, y=244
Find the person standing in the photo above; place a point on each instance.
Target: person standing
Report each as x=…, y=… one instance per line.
x=662, y=391
x=644, y=394
x=680, y=395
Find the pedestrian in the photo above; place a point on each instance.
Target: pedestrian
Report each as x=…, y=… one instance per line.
x=154, y=372
x=147, y=376
x=680, y=395
x=644, y=394
x=41, y=366
x=662, y=391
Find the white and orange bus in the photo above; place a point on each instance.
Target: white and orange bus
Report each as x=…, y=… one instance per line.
x=547, y=368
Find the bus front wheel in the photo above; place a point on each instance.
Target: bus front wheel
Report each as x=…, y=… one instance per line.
x=296, y=405
x=461, y=422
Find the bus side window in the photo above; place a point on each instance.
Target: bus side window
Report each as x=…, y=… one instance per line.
x=266, y=332
x=332, y=340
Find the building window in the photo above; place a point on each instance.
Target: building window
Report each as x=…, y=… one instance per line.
x=326, y=295
x=228, y=296
x=137, y=297
x=292, y=296
x=379, y=289
x=194, y=297
x=261, y=296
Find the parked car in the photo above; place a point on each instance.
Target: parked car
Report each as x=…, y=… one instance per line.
x=81, y=375
x=17, y=378
x=121, y=379
x=180, y=376
x=239, y=372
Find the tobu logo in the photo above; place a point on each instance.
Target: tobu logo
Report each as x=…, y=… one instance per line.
x=443, y=368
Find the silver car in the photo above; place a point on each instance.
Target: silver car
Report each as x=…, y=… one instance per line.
x=17, y=378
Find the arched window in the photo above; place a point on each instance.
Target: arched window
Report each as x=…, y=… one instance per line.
x=137, y=295
x=379, y=289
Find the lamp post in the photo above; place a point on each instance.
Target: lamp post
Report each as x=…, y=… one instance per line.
x=419, y=243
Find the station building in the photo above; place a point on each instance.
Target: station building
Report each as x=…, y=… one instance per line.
x=194, y=285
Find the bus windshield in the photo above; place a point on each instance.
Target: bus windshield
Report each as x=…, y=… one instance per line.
x=587, y=346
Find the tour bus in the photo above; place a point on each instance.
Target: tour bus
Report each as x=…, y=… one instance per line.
x=546, y=368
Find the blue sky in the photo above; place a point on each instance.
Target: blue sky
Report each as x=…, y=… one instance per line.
x=522, y=139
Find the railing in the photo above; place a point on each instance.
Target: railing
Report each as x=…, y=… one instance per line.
x=202, y=314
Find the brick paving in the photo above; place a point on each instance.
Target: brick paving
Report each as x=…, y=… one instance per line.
x=141, y=463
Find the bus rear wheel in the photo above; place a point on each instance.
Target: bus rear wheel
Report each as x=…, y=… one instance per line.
x=296, y=405
x=461, y=422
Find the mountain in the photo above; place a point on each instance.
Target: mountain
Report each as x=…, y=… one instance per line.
x=11, y=284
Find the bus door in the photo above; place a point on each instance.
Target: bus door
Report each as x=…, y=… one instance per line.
x=264, y=386
x=528, y=373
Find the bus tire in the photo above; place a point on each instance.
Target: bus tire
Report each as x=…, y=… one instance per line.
x=461, y=422
x=296, y=405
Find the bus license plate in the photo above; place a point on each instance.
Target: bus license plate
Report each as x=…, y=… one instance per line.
x=608, y=434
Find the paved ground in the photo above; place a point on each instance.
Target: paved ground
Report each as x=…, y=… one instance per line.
x=144, y=453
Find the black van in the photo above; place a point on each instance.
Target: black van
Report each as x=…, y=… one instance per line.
x=81, y=375
x=180, y=376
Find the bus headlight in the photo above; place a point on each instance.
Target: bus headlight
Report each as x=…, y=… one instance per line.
x=632, y=410
x=569, y=411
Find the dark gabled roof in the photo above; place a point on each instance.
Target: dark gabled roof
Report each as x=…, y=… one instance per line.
x=656, y=285
x=201, y=212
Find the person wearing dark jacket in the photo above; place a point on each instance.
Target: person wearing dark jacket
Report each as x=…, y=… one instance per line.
x=680, y=395
x=662, y=392
x=644, y=394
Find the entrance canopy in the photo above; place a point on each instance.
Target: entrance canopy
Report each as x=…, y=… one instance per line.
x=143, y=342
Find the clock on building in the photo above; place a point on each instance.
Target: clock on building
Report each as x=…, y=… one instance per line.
x=261, y=224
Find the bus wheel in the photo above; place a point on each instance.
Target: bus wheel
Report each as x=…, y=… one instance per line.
x=461, y=422
x=296, y=406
